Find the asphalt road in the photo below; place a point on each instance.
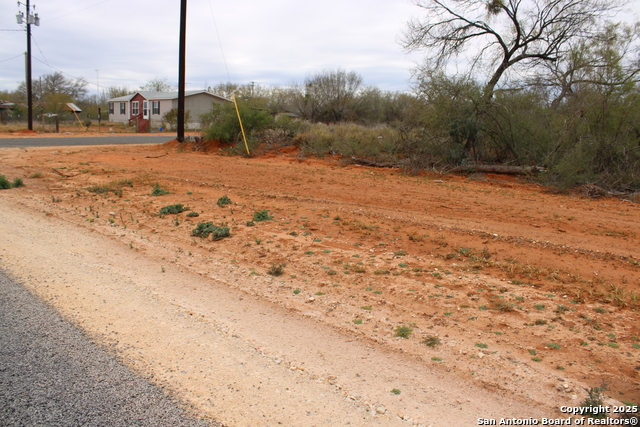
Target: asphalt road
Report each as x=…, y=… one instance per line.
x=53, y=375
x=85, y=140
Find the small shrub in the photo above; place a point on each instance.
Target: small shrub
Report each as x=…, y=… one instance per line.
x=158, y=191
x=18, y=183
x=193, y=214
x=172, y=209
x=594, y=401
x=5, y=184
x=276, y=269
x=396, y=391
x=262, y=215
x=431, y=341
x=223, y=201
x=204, y=229
x=481, y=345
x=403, y=331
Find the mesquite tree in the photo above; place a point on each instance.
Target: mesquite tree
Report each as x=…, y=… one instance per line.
x=504, y=34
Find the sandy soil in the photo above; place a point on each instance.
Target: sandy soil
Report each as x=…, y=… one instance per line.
x=528, y=297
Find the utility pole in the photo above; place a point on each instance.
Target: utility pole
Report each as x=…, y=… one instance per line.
x=98, y=98
x=30, y=19
x=182, y=68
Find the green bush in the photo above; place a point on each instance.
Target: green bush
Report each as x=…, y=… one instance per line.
x=171, y=118
x=402, y=331
x=172, y=209
x=4, y=183
x=223, y=201
x=158, y=191
x=262, y=215
x=225, y=126
x=204, y=229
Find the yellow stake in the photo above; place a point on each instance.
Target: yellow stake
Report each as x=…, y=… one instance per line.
x=233, y=96
x=79, y=121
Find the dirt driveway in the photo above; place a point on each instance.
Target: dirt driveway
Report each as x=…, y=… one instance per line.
x=381, y=297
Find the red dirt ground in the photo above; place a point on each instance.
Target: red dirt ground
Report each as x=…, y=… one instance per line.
x=521, y=285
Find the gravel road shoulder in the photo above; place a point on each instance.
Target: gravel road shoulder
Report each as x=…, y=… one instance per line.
x=53, y=375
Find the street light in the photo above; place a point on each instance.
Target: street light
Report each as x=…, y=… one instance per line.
x=31, y=18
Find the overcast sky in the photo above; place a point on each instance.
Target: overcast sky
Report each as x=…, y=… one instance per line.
x=270, y=42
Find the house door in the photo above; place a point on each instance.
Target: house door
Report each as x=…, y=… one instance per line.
x=145, y=110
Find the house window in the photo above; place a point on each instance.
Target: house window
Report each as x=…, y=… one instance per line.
x=135, y=109
x=111, y=108
x=155, y=107
x=123, y=108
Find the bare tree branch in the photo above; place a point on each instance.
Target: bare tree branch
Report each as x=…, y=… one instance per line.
x=506, y=32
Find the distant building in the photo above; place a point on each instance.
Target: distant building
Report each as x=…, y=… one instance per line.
x=147, y=107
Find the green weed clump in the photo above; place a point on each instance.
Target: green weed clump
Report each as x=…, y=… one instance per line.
x=223, y=201
x=403, y=331
x=204, y=229
x=172, y=209
x=431, y=341
x=158, y=191
x=262, y=215
x=276, y=269
x=5, y=184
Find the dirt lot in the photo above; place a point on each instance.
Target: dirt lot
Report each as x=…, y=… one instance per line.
x=495, y=280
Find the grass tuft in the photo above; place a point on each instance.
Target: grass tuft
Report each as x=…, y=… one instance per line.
x=403, y=331
x=431, y=341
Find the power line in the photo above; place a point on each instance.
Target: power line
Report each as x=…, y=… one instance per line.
x=40, y=50
x=63, y=72
x=17, y=56
x=79, y=10
x=215, y=25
